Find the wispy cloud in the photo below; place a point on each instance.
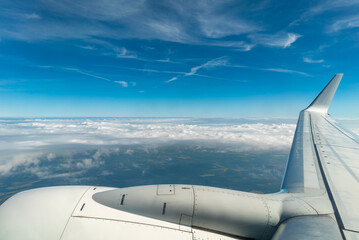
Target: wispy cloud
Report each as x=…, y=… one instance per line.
x=124, y=53
x=217, y=62
x=172, y=79
x=88, y=47
x=109, y=49
x=87, y=74
x=282, y=70
x=221, y=61
x=282, y=39
x=148, y=70
x=345, y=23
x=167, y=60
x=29, y=16
x=123, y=83
x=76, y=70
x=19, y=14
x=325, y=6
x=237, y=45
x=328, y=5
x=79, y=71
x=224, y=25
x=204, y=22
x=310, y=60
x=224, y=62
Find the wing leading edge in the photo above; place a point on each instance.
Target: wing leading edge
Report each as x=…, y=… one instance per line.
x=324, y=161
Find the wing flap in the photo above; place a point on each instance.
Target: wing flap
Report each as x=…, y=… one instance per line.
x=308, y=227
x=351, y=235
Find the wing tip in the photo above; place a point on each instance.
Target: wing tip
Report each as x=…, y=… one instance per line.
x=322, y=102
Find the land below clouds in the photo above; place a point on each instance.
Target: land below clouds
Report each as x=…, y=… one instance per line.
x=241, y=154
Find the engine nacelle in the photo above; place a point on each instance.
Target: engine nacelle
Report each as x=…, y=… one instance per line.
x=161, y=211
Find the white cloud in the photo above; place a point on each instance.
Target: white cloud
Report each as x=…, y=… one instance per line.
x=33, y=144
x=282, y=70
x=171, y=80
x=85, y=163
x=32, y=16
x=282, y=40
x=76, y=70
x=106, y=10
x=345, y=23
x=310, y=60
x=88, y=47
x=123, y=83
x=124, y=53
x=30, y=142
x=168, y=31
x=237, y=45
x=86, y=73
x=19, y=14
x=151, y=70
x=223, y=62
x=224, y=25
x=12, y=161
x=292, y=37
x=325, y=6
x=41, y=133
x=217, y=62
x=328, y=5
x=203, y=22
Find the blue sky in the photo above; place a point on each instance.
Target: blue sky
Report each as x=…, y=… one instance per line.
x=176, y=58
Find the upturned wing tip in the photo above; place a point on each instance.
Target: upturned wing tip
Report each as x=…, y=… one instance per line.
x=322, y=102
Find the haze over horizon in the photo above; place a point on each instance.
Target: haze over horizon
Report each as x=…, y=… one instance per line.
x=176, y=58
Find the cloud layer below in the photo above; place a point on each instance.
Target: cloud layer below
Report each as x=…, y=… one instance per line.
x=26, y=142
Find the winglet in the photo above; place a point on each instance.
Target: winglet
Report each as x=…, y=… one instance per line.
x=322, y=101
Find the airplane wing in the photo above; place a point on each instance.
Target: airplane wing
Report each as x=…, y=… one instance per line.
x=324, y=159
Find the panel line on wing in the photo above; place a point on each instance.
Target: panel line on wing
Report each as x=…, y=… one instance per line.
x=302, y=172
x=351, y=231
x=340, y=130
x=340, y=167
x=310, y=163
x=339, y=146
x=344, y=164
x=330, y=194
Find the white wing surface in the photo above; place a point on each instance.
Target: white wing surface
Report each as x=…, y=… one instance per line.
x=325, y=159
